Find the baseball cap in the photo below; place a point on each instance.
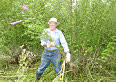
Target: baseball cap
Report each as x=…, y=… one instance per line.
x=53, y=19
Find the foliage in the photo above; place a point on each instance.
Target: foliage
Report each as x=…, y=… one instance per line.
x=26, y=59
x=88, y=26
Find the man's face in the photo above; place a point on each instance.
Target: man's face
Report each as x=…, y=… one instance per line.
x=52, y=25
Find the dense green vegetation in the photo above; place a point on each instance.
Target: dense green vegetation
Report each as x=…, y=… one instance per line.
x=88, y=26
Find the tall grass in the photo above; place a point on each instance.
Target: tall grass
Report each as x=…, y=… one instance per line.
x=88, y=26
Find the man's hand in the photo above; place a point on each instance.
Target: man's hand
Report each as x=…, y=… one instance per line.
x=68, y=57
x=51, y=44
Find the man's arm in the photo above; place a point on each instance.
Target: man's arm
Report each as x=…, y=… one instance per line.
x=65, y=46
x=64, y=43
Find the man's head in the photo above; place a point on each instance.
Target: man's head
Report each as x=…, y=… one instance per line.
x=52, y=23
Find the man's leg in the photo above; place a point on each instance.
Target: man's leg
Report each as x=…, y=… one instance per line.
x=56, y=61
x=45, y=61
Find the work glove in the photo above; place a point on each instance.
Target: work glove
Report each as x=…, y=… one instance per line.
x=51, y=44
x=68, y=57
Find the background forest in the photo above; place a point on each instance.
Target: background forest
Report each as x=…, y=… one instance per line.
x=89, y=27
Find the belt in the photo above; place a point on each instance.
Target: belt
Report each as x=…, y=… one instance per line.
x=50, y=50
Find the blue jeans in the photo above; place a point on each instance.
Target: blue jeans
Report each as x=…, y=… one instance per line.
x=46, y=58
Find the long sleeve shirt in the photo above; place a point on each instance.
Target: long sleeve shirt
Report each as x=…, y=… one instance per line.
x=55, y=35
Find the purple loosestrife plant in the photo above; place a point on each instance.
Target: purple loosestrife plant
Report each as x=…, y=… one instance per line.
x=25, y=7
x=13, y=23
x=23, y=12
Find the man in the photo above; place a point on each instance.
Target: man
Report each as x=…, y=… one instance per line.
x=52, y=54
